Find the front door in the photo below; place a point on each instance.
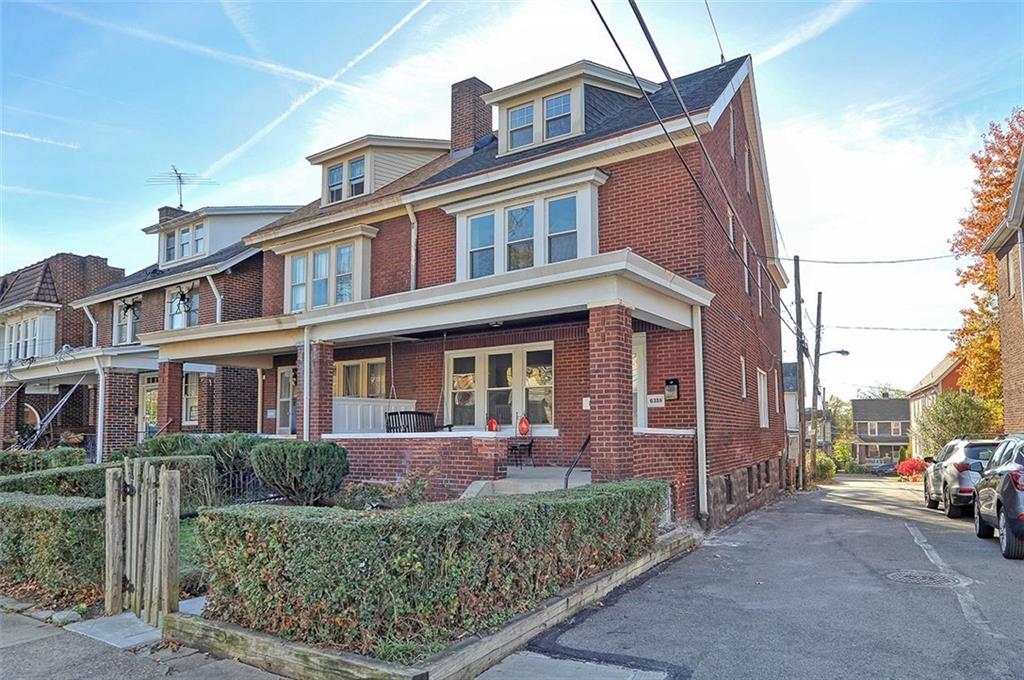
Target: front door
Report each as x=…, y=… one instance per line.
x=286, y=400
x=149, y=391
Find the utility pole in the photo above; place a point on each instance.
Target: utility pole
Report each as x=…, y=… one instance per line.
x=801, y=419
x=814, y=391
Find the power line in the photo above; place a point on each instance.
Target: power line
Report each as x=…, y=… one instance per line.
x=893, y=328
x=721, y=50
x=899, y=261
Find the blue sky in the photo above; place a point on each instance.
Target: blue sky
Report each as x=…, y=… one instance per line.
x=870, y=112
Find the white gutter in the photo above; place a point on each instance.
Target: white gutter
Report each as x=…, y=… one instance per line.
x=305, y=383
x=1020, y=267
x=92, y=320
x=413, y=238
x=217, y=295
x=702, y=448
x=101, y=394
x=259, y=401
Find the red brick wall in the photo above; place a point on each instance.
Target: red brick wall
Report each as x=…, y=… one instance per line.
x=242, y=290
x=321, y=375
x=273, y=284
x=435, y=248
x=611, y=385
x=169, y=408
x=672, y=458
x=389, y=257
x=234, y=400
x=74, y=276
x=1011, y=329
x=471, y=117
x=120, y=404
x=10, y=413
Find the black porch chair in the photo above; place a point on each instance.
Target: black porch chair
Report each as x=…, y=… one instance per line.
x=520, y=451
x=412, y=421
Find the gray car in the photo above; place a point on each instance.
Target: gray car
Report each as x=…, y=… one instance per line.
x=952, y=474
x=1000, y=498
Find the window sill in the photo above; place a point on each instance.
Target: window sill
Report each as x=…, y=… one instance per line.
x=537, y=145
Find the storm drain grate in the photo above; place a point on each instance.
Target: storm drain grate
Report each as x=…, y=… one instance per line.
x=923, y=578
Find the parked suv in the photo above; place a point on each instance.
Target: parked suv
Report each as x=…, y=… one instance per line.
x=999, y=498
x=951, y=475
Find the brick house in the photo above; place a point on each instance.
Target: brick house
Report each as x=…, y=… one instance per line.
x=881, y=429
x=560, y=275
x=39, y=333
x=944, y=377
x=1005, y=244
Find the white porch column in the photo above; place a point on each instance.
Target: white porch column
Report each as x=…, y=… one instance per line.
x=698, y=377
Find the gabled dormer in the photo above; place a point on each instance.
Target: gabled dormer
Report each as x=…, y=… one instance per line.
x=552, y=107
x=364, y=165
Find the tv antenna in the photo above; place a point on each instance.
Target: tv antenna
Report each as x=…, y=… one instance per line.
x=179, y=178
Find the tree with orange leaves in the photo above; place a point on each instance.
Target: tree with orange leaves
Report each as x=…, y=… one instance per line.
x=977, y=340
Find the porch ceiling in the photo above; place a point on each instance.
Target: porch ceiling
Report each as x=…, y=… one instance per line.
x=66, y=370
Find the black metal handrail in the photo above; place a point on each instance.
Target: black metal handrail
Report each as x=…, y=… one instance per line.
x=576, y=460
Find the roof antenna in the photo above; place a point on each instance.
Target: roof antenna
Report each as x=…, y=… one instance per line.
x=721, y=52
x=179, y=178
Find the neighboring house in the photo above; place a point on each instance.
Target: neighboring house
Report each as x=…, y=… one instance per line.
x=824, y=430
x=39, y=334
x=792, y=397
x=562, y=269
x=881, y=429
x=945, y=377
x=1007, y=244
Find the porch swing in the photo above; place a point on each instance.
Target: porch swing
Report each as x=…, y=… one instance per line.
x=411, y=421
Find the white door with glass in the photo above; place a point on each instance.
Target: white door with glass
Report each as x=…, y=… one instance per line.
x=149, y=391
x=286, y=400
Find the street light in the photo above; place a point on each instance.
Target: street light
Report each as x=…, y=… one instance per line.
x=814, y=406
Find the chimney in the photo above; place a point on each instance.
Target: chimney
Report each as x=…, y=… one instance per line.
x=885, y=395
x=471, y=117
x=169, y=213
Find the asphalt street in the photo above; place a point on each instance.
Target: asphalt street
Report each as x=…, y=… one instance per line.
x=854, y=580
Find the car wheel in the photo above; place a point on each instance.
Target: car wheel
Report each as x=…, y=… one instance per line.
x=1011, y=546
x=952, y=511
x=981, y=528
x=929, y=502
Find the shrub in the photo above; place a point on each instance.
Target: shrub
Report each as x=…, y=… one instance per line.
x=951, y=415
x=856, y=469
x=306, y=473
x=911, y=467
x=826, y=468
x=843, y=454
x=54, y=544
x=404, y=583
x=176, y=444
x=369, y=495
x=231, y=451
x=13, y=462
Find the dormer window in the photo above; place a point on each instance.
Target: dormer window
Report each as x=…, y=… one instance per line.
x=356, y=176
x=335, y=183
x=520, y=126
x=557, y=115
x=184, y=242
x=170, y=249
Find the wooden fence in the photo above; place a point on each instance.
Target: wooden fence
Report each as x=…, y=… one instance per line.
x=141, y=573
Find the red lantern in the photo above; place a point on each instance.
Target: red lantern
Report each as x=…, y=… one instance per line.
x=492, y=425
x=524, y=426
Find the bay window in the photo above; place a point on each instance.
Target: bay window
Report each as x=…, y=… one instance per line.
x=562, y=227
x=481, y=246
x=503, y=383
x=298, y=283
x=519, y=237
x=343, y=273
x=330, y=274
x=363, y=379
x=26, y=337
x=190, y=399
x=321, y=277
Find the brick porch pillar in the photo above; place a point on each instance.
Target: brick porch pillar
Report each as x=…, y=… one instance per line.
x=10, y=415
x=169, y=396
x=611, y=393
x=321, y=398
x=120, y=409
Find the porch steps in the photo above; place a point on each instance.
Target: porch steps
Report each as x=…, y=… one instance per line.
x=523, y=480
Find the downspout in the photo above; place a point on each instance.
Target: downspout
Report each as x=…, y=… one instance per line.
x=414, y=232
x=101, y=395
x=92, y=320
x=305, y=384
x=259, y=401
x=1020, y=267
x=216, y=295
x=702, y=449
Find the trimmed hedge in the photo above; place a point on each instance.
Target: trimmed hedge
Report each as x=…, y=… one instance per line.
x=53, y=543
x=403, y=584
x=306, y=473
x=174, y=444
x=14, y=462
x=198, y=480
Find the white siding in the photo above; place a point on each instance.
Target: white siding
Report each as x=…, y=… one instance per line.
x=390, y=164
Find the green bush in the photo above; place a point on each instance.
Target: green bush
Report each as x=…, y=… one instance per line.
x=52, y=543
x=306, y=473
x=176, y=444
x=198, y=479
x=826, y=468
x=13, y=462
x=403, y=584
x=857, y=469
x=842, y=452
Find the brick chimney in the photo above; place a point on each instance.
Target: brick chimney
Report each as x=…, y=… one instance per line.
x=169, y=213
x=471, y=117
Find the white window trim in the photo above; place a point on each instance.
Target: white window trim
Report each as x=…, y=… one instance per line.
x=1011, y=275
x=586, y=222
x=576, y=121
x=177, y=243
x=363, y=376
x=732, y=134
x=287, y=428
x=743, y=377
x=518, y=387
x=346, y=189
x=348, y=176
x=640, y=349
x=762, y=398
x=732, y=230
x=532, y=125
x=131, y=325
x=544, y=115
x=746, y=265
x=896, y=428
x=195, y=378
x=172, y=292
x=872, y=425
x=760, y=293
x=775, y=381
x=360, y=273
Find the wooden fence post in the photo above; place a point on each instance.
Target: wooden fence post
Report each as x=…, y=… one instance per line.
x=149, y=553
x=113, y=586
x=170, y=506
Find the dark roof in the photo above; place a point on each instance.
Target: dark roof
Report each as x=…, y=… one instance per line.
x=154, y=274
x=32, y=283
x=789, y=383
x=880, y=409
x=610, y=114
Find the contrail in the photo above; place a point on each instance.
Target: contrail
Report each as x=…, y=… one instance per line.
x=39, y=140
x=812, y=28
x=26, y=191
x=299, y=101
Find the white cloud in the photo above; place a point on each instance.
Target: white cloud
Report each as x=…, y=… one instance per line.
x=39, y=140
x=822, y=20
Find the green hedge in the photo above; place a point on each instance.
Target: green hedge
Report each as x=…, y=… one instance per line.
x=14, y=462
x=402, y=584
x=54, y=543
x=198, y=480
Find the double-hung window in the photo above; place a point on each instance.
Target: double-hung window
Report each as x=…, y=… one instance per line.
x=502, y=384
x=182, y=308
x=190, y=399
x=170, y=246
x=185, y=243
x=481, y=245
x=327, y=275
x=321, y=277
x=562, y=228
x=896, y=427
x=519, y=237
x=743, y=377
x=335, y=183
x=746, y=266
x=762, y=398
x=557, y=115
x=343, y=273
x=297, y=294
x=520, y=126
x=356, y=176
x=872, y=429
x=23, y=339
x=126, y=321
x=363, y=379
x=199, y=238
